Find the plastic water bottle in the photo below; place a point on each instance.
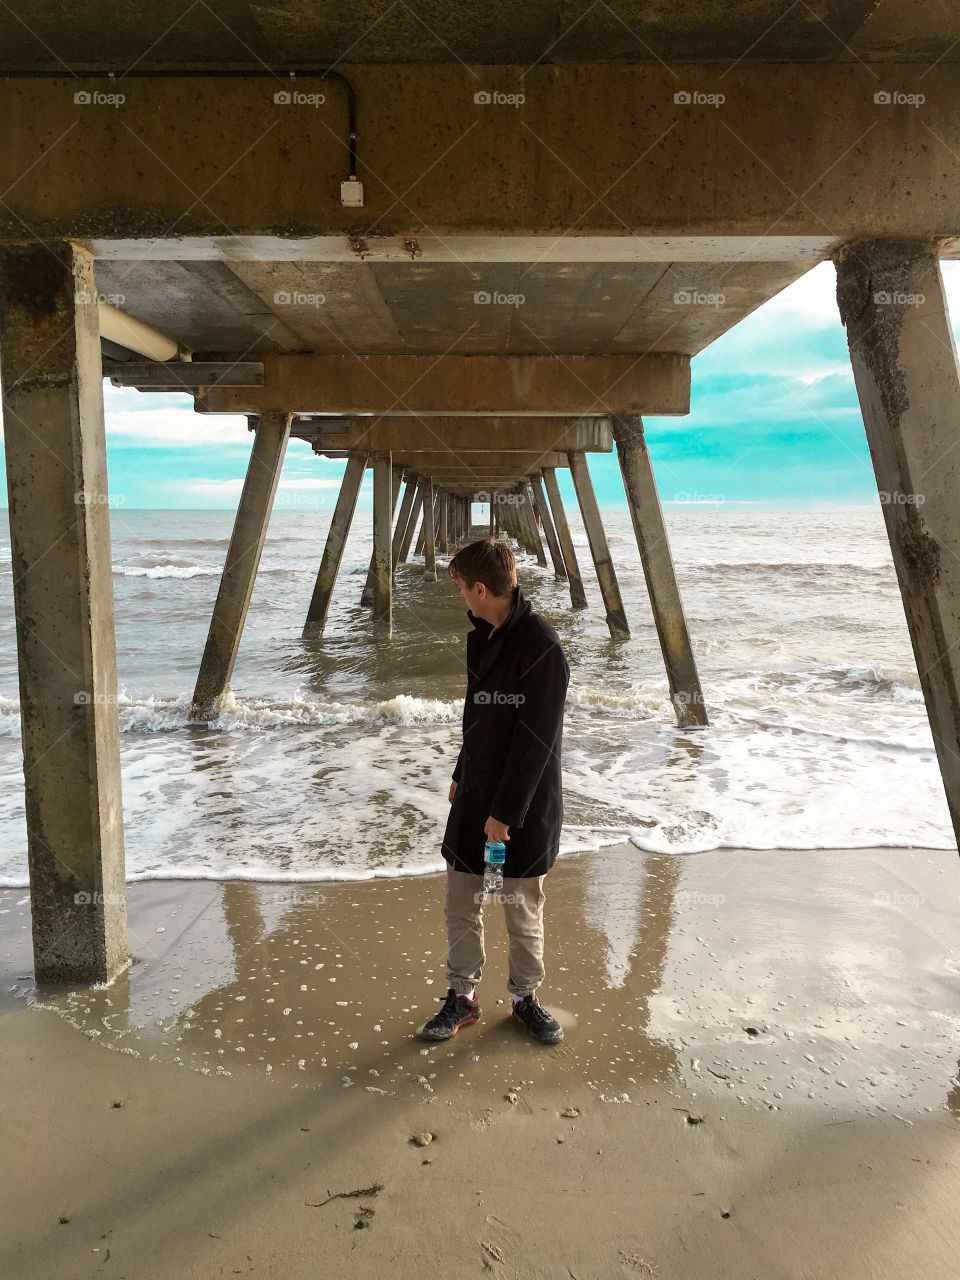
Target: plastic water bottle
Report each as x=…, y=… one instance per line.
x=494, y=856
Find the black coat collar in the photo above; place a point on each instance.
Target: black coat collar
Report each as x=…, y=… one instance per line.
x=482, y=629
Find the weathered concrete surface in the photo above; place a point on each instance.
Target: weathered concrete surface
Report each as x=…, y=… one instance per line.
x=412, y=522
x=550, y=533
x=659, y=572
x=578, y=597
x=323, y=34
x=444, y=522
x=599, y=549
x=533, y=528
x=891, y=299
x=795, y=149
x=382, y=553
x=406, y=509
x=458, y=435
x=587, y=306
x=63, y=598
x=469, y=460
x=462, y=386
x=396, y=481
x=336, y=541
x=240, y=567
x=428, y=531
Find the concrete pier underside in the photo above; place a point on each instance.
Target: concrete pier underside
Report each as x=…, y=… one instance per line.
x=559, y=211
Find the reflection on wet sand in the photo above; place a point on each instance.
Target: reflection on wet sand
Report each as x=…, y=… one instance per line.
x=774, y=980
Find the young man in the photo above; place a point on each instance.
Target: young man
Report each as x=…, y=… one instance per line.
x=506, y=786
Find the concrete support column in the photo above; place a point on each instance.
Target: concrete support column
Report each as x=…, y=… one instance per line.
x=336, y=541
x=606, y=574
x=63, y=602
x=382, y=545
x=492, y=528
x=892, y=302
x=658, y=570
x=511, y=513
x=444, y=523
x=412, y=523
x=429, y=525
x=578, y=597
x=532, y=527
x=366, y=595
x=241, y=564
x=549, y=531
x=403, y=519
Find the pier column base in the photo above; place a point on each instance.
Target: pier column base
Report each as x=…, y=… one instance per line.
x=63, y=601
x=891, y=300
x=658, y=570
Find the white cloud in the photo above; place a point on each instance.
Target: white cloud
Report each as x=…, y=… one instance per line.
x=230, y=486
x=175, y=428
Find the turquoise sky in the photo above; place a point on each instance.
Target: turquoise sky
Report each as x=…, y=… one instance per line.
x=774, y=422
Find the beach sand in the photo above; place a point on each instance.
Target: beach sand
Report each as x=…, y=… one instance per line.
x=761, y=1055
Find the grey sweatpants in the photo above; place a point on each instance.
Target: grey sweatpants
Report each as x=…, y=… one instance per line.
x=522, y=900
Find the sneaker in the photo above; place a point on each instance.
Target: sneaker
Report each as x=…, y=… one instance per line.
x=457, y=1012
x=542, y=1026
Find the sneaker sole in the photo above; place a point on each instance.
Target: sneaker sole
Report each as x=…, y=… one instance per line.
x=539, y=1040
x=468, y=1022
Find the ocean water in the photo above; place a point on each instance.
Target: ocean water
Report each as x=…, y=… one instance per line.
x=332, y=759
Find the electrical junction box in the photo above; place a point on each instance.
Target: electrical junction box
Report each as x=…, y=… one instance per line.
x=351, y=193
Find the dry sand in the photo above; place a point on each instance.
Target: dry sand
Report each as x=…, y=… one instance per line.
x=761, y=1049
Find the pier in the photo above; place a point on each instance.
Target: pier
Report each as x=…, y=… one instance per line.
x=463, y=273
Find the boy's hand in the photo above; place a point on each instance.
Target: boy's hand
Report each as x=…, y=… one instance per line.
x=495, y=830
x=453, y=792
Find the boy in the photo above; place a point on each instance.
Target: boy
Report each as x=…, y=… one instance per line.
x=506, y=786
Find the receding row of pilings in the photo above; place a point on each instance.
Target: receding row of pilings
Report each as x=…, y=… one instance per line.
x=903, y=354
x=408, y=497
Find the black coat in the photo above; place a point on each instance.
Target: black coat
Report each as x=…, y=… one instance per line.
x=509, y=764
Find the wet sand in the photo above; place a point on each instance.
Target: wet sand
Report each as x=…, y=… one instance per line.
x=761, y=1049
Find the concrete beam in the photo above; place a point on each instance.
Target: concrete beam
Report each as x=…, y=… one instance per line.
x=892, y=302
x=240, y=567
x=458, y=435
x=462, y=386
x=63, y=601
x=479, y=460
x=616, y=149
x=661, y=578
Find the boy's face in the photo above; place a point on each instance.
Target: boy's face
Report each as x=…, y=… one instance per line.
x=475, y=597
